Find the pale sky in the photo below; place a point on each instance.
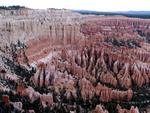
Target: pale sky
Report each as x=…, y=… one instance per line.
x=97, y=5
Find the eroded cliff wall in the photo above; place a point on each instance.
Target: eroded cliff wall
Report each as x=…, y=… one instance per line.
x=30, y=24
x=78, y=61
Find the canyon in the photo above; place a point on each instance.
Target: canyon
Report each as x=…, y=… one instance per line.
x=67, y=62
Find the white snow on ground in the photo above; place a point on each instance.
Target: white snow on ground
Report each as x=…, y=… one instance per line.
x=46, y=59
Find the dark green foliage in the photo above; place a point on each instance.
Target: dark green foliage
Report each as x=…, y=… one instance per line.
x=118, y=43
x=145, y=35
x=13, y=65
x=15, y=7
x=111, y=106
x=115, y=42
x=15, y=48
x=17, y=69
x=132, y=44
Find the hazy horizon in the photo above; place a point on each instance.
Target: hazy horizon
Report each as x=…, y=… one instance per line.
x=94, y=5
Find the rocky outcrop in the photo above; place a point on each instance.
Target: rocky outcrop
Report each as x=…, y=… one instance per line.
x=99, y=109
x=50, y=23
x=45, y=27
x=87, y=89
x=72, y=62
x=46, y=99
x=107, y=94
x=132, y=110
x=119, y=26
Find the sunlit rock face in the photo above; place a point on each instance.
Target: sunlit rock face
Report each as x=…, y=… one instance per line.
x=68, y=62
x=50, y=23
x=40, y=29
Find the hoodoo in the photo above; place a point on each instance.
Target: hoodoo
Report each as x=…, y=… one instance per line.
x=61, y=61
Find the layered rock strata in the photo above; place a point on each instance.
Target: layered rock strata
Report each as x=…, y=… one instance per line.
x=74, y=62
